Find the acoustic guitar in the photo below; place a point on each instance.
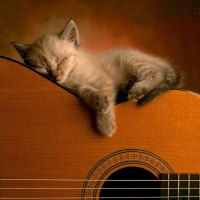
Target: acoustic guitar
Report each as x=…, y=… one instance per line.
x=49, y=148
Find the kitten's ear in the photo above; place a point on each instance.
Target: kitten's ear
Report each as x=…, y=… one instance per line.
x=21, y=48
x=70, y=33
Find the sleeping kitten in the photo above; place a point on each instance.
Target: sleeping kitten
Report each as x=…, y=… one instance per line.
x=98, y=77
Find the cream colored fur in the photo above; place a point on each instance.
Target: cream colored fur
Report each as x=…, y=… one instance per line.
x=98, y=77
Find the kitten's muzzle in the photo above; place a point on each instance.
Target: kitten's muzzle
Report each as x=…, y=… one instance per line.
x=56, y=75
x=53, y=74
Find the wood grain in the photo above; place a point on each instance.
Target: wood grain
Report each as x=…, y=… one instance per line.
x=46, y=132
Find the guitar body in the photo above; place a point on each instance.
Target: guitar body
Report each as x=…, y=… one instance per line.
x=49, y=148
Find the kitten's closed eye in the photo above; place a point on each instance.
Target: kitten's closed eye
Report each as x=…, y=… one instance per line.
x=59, y=63
x=39, y=68
x=42, y=70
x=62, y=60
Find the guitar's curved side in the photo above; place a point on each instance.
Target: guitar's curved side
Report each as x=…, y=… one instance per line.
x=45, y=132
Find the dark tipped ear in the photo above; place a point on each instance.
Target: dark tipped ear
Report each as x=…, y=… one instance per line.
x=70, y=33
x=21, y=48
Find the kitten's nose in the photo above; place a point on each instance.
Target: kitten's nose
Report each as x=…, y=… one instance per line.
x=54, y=73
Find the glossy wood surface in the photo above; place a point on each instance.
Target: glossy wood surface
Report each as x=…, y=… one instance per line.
x=46, y=132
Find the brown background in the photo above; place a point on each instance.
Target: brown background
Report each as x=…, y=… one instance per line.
x=170, y=29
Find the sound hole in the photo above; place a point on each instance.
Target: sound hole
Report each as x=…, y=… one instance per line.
x=140, y=183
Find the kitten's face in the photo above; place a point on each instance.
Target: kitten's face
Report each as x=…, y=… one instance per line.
x=51, y=55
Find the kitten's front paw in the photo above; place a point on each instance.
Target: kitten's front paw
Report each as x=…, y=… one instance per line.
x=102, y=103
x=105, y=124
x=136, y=93
x=98, y=102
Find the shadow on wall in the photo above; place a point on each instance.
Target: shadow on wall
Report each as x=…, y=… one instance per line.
x=169, y=29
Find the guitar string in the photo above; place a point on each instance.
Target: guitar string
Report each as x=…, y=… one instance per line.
x=80, y=180
x=95, y=180
x=154, y=197
x=88, y=180
x=168, y=186
x=178, y=185
x=90, y=188
x=199, y=186
x=194, y=188
x=189, y=189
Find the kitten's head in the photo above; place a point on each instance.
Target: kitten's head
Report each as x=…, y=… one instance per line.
x=48, y=53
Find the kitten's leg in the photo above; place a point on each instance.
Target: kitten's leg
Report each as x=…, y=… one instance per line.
x=89, y=95
x=147, y=79
x=105, y=122
x=103, y=107
x=100, y=102
x=94, y=99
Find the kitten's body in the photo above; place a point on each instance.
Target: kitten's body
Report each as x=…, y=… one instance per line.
x=98, y=77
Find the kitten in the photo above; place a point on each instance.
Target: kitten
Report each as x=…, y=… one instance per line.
x=98, y=77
